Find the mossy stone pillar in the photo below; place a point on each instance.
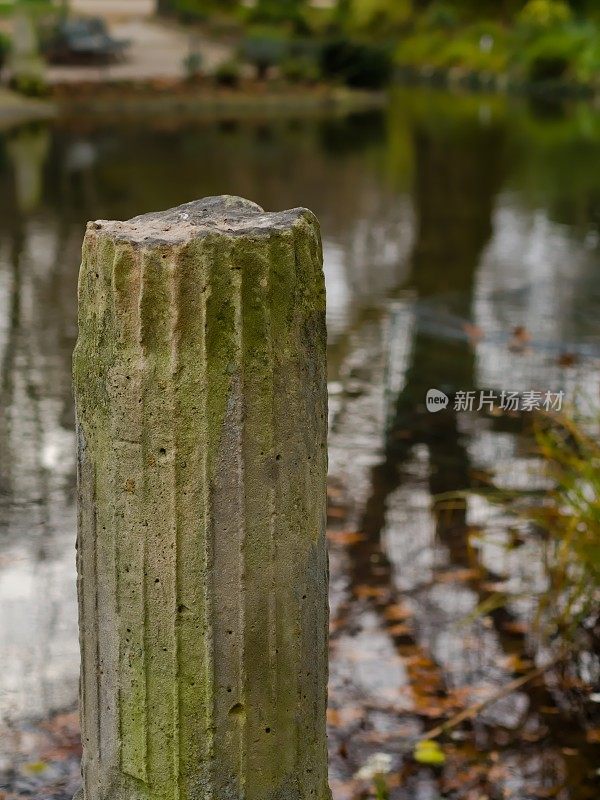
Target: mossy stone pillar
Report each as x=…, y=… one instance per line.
x=201, y=409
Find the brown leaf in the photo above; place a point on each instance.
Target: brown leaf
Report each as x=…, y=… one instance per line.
x=345, y=537
x=451, y=575
x=521, y=333
x=520, y=338
x=543, y=792
x=474, y=332
x=364, y=591
x=567, y=359
x=333, y=717
x=516, y=627
x=401, y=629
x=397, y=612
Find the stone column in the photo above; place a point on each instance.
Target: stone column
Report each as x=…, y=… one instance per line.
x=201, y=408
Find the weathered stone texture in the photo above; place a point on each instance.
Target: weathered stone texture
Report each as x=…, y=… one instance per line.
x=201, y=406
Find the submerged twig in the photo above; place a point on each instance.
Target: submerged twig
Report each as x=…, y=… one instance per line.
x=477, y=708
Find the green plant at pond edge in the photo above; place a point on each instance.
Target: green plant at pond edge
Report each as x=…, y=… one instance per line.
x=228, y=73
x=30, y=86
x=566, y=516
x=569, y=516
x=381, y=789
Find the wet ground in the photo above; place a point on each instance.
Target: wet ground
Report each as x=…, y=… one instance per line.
x=461, y=241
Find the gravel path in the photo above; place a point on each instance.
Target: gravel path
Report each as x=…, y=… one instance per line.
x=157, y=50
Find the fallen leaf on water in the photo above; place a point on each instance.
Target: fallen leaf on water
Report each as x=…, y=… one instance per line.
x=338, y=717
x=364, y=591
x=567, y=359
x=451, y=575
x=549, y=710
x=345, y=537
x=401, y=629
x=515, y=663
x=533, y=736
x=474, y=332
x=516, y=627
x=397, y=612
x=428, y=751
x=593, y=735
x=520, y=337
x=408, y=651
x=542, y=792
x=333, y=717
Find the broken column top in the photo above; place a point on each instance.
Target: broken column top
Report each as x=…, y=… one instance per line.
x=224, y=214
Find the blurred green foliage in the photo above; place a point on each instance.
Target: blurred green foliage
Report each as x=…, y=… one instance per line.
x=544, y=13
x=509, y=41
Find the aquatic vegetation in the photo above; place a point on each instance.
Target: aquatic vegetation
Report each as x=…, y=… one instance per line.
x=569, y=516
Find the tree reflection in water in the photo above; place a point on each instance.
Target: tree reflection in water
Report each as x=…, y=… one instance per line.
x=446, y=222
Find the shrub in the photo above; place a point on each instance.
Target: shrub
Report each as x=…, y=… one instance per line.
x=587, y=62
x=277, y=12
x=358, y=64
x=228, y=73
x=30, y=85
x=264, y=51
x=377, y=15
x=188, y=10
x=544, y=13
x=300, y=70
x=549, y=57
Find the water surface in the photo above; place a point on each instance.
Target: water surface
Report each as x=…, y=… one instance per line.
x=449, y=223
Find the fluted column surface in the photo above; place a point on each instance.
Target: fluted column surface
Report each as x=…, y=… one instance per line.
x=201, y=408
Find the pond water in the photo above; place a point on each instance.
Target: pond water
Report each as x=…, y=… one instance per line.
x=462, y=253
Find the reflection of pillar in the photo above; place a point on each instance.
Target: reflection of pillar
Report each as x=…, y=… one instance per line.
x=457, y=173
x=201, y=406
x=26, y=64
x=28, y=150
